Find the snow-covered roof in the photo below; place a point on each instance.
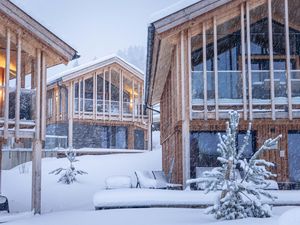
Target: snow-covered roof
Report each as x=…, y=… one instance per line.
x=93, y=65
x=172, y=9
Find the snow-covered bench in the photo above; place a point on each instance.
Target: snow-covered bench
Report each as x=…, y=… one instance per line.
x=145, y=198
x=116, y=182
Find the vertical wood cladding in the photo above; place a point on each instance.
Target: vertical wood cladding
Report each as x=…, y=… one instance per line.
x=264, y=129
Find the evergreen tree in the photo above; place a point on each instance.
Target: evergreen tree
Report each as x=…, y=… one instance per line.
x=239, y=198
x=68, y=175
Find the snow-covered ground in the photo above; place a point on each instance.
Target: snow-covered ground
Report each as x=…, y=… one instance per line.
x=156, y=216
x=16, y=183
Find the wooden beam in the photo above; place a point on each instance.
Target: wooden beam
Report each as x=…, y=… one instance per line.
x=7, y=71
x=43, y=95
x=270, y=29
x=109, y=95
x=133, y=103
x=243, y=60
x=216, y=73
x=83, y=100
x=249, y=61
x=18, y=86
x=120, y=94
x=38, y=95
x=288, y=58
x=204, y=69
x=94, y=95
x=104, y=97
x=70, y=116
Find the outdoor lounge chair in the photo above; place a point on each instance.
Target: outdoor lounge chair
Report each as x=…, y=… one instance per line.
x=4, y=204
x=154, y=180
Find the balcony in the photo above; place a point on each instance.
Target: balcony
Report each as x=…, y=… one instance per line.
x=256, y=98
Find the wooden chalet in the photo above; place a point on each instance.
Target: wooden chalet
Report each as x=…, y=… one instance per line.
x=27, y=49
x=212, y=56
x=98, y=105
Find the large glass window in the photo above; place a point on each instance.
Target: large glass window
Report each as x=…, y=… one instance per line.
x=294, y=155
x=88, y=95
x=204, y=147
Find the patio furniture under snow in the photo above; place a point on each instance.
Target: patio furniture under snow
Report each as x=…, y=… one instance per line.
x=4, y=203
x=147, y=179
x=116, y=182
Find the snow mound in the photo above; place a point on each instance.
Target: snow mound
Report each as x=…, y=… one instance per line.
x=290, y=217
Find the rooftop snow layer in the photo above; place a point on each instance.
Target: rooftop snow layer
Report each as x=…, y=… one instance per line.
x=172, y=9
x=109, y=59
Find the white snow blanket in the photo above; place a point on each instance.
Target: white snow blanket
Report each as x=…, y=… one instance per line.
x=154, y=197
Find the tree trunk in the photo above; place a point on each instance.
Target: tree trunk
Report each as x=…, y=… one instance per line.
x=227, y=177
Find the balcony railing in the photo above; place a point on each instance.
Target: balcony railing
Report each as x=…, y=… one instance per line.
x=111, y=109
x=230, y=92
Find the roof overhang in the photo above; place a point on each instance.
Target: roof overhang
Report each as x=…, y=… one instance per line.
x=41, y=33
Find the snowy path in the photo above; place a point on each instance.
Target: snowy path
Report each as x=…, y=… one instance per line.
x=154, y=216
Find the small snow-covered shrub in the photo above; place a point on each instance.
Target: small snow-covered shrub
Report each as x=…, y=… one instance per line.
x=239, y=197
x=68, y=175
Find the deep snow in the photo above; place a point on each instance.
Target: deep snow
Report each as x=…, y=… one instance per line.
x=16, y=183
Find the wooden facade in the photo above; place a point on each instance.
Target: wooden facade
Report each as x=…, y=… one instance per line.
x=106, y=93
x=27, y=49
x=218, y=55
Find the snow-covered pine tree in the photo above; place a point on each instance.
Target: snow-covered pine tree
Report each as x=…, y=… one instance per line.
x=239, y=198
x=69, y=174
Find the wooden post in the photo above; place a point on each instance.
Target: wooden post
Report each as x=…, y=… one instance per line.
x=133, y=103
x=18, y=87
x=70, y=116
x=104, y=87
x=96, y=93
x=7, y=71
x=139, y=103
x=43, y=95
x=243, y=60
x=204, y=70
x=94, y=96
x=37, y=144
x=79, y=98
x=271, y=58
x=185, y=107
x=83, y=100
x=120, y=94
x=288, y=58
x=109, y=93
x=249, y=61
x=216, y=73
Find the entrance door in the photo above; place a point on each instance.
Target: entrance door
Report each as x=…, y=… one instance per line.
x=294, y=156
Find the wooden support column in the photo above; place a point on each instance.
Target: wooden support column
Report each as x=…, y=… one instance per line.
x=104, y=87
x=79, y=99
x=288, y=58
x=109, y=97
x=18, y=87
x=139, y=103
x=37, y=144
x=216, y=73
x=43, y=96
x=94, y=96
x=142, y=106
x=243, y=49
x=184, y=64
x=70, y=115
x=83, y=100
x=249, y=61
x=7, y=71
x=133, y=103
x=120, y=94
x=204, y=70
x=130, y=137
x=271, y=58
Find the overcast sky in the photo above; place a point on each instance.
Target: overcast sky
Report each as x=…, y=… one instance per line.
x=95, y=28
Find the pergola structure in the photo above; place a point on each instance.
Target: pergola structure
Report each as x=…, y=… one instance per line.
x=27, y=49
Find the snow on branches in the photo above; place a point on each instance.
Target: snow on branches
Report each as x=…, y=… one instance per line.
x=69, y=174
x=239, y=197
